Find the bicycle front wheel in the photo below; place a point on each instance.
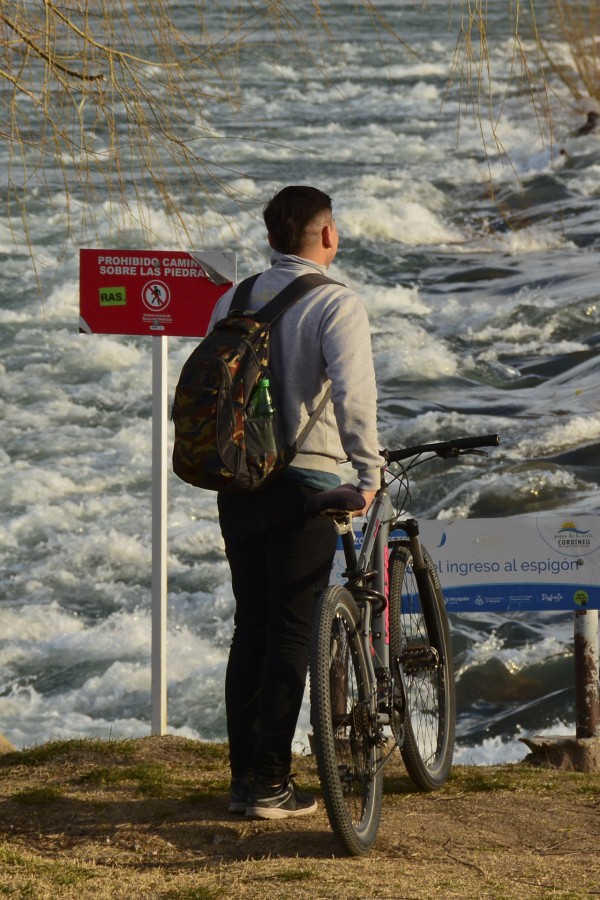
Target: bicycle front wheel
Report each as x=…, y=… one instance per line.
x=344, y=719
x=420, y=647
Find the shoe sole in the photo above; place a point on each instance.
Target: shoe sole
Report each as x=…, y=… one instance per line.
x=238, y=807
x=276, y=812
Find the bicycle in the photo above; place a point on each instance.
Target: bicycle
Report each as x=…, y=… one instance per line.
x=381, y=654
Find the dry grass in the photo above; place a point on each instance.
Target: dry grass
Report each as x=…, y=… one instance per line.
x=147, y=819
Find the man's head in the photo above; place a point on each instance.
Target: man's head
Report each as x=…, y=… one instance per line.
x=300, y=221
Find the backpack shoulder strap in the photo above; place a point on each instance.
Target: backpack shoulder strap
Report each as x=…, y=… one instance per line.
x=278, y=305
x=292, y=292
x=312, y=421
x=240, y=298
x=270, y=312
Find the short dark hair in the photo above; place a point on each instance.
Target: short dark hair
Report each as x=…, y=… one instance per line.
x=290, y=212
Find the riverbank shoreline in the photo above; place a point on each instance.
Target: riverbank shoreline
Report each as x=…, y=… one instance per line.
x=147, y=818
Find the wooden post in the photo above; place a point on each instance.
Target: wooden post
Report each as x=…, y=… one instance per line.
x=587, y=688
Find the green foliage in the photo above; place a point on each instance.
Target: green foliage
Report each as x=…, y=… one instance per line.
x=42, y=754
x=295, y=875
x=487, y=781
x=192, y=893
x=41, y=796
x=151, y=778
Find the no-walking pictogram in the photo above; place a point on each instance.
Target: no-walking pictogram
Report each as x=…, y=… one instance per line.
x=156, y=296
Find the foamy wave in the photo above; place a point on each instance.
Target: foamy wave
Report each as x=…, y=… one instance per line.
x=574, y=430
x=493, y=751
x=417, y=353
x=35, y=488
x=398, y=300
x=399, y=220
x=533, y=239
x=29, y=719
x=514, y=659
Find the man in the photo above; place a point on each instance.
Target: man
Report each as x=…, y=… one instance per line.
x=279, y=557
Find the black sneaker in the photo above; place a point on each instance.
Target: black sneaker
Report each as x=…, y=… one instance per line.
x=266, y=802
x=238, y=798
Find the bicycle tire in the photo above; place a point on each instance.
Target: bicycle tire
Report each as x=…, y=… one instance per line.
x=343, y=712
x=420, y=645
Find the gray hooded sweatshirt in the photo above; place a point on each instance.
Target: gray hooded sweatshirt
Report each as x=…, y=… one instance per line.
x=322, y=339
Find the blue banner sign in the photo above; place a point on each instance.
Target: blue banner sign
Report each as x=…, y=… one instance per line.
x=524, y=563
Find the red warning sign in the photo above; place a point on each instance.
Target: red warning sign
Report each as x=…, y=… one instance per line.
x=154, y=292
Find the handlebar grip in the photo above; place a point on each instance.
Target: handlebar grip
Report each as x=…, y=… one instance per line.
x=486, y=440
x=444, y=448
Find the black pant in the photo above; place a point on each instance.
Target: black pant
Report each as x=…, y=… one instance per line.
x=279, y=559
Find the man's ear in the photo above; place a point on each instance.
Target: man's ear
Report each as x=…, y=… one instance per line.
x=270, y=240
x=326, y=236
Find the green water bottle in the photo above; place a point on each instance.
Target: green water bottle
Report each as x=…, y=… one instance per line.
x=262, y=404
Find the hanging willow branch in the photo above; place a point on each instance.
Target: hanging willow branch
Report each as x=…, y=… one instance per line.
x=576, y=24
x=110, y=98
x=42, y=54
x=106, y=105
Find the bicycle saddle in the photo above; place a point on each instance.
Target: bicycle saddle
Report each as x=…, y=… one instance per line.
x=345, y=498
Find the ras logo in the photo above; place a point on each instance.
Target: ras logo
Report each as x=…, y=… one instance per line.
x=113, y=296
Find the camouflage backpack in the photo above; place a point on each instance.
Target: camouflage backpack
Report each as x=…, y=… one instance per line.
x=218, y=445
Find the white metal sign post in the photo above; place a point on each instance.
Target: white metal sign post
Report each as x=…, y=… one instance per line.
x=158, y=689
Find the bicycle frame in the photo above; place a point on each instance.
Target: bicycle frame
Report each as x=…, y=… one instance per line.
x=382, y=519
x=374, y=550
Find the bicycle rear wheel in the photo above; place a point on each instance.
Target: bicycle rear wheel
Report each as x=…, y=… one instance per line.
x=343, y=712
x=420, y=645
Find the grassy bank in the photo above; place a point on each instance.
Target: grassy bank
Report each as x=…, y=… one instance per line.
x=147, y=819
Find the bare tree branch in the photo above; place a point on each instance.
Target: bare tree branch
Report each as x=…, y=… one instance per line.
x=106, y=106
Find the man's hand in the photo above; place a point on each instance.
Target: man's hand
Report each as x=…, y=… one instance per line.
x=369, y=496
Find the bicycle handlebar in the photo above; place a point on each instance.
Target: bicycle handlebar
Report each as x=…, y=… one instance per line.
x=444, y=448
